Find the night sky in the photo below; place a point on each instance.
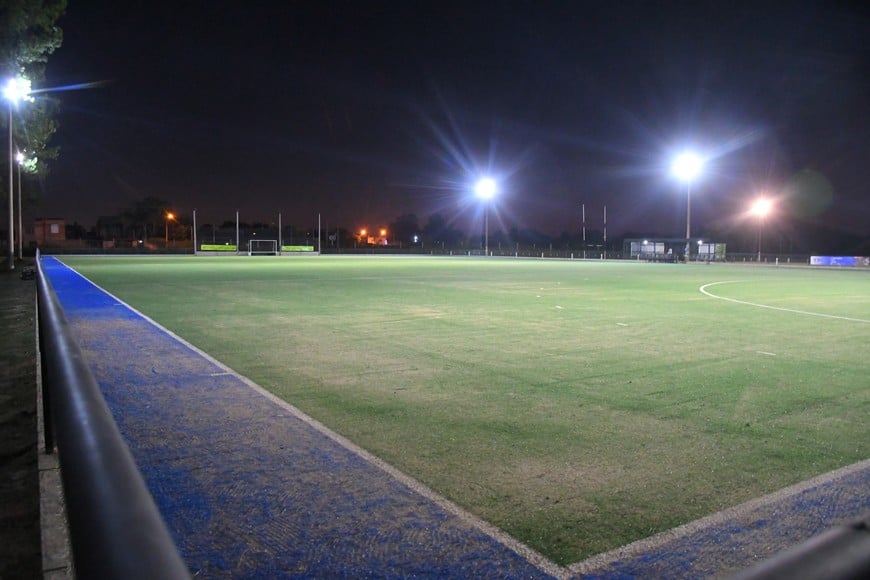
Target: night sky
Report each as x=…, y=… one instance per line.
x=363, y=111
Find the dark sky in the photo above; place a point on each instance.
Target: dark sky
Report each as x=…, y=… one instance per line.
x=362, y=111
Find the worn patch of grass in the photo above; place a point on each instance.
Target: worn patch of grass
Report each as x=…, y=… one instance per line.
x=577, y=405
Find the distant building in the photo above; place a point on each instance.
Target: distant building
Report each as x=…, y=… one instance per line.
x=47, y=231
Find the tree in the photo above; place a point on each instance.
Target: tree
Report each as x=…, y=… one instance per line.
x=148, y=215
x=28, y=36
x=438, y=231
x=404, y=228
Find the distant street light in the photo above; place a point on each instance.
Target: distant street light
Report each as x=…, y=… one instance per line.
x=686, y=167
x=16, y=89
x=760, y=208
x=485, y=189
x=19, y=157
x=169, y=216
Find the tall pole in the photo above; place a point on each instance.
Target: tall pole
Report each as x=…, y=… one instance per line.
x=20, y=209
x=318, y=233
x=238, y=247
x=605, y=231
x=583, y=223
x=194, y=231
x=486, y=229
x=11, y=244
x=760, y=226
x=688, y=220
x=280, y=240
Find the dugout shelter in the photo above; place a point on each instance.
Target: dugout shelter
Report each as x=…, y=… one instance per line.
x=671, y=250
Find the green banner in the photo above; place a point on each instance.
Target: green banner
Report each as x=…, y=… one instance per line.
x=218, y=247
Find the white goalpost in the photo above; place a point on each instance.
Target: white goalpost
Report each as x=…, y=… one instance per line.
x=257, y=247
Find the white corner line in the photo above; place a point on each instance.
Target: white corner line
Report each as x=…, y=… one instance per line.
x=531, y=555
x=600, y=562
x=703, y=290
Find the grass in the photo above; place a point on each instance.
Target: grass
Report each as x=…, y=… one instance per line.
x=577, y=405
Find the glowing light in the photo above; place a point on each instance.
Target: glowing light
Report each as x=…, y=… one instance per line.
x=687, y=166
x=486, y=188
x=19, y=157
x=363, y=232
x=17, y=89
x=170, y=215
x=761, y=207
x=383, y=232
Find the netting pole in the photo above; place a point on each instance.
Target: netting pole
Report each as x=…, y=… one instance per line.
x=194, y=231
x=238, y=245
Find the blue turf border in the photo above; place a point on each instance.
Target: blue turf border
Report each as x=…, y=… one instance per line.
x=246, y=487
x=251, y=490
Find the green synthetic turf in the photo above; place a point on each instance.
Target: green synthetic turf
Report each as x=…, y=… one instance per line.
x=577, y=405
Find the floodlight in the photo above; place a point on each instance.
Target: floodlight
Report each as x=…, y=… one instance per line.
x=17, y=89
x=687, y=166
x=761, y=207
x=485, y=188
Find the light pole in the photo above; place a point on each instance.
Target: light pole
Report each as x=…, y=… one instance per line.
x=20, y=159
x=486, y=189
x=169, y=216
x=686, y=167
x=760, y=208
x=16, y=89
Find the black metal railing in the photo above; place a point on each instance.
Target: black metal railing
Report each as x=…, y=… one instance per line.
x=840, y=553
x=115, y=527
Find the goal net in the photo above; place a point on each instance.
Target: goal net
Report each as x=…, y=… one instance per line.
x=262, y=247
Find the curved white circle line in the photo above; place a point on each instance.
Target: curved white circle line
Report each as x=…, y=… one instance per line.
x=703, y=290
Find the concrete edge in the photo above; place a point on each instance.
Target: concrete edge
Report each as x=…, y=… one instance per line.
x=53, y=528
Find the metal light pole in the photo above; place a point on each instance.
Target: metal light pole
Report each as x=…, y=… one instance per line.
x=20, y=159
x=11, y=243
x=760, y=208
x=686, y=167
x=486, y=189
x=169, y=216
x=16, y=89
x=688, y=220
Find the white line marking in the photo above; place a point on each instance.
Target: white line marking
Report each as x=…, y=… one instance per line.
x=766, y=353
x=497, y=534
x=600, y=563
x=621, y=324
x=703, y=290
